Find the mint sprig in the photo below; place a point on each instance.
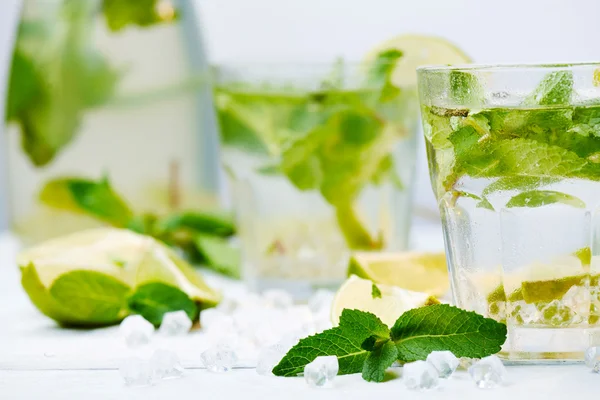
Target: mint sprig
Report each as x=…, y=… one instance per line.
x=364, y=344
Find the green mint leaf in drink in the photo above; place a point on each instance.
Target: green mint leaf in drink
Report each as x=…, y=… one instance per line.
x=344, y=341
x=584, y=255
x=92, y=298
x=555, y=89
x=120, y=14
x=49, y=91
x=380, y=74
x=153, y=300
x=420, y=331
x=539, y=198
x=23, y=87
x=219, y=255
x=379, y=360
x=465, y=88
x=375, y=292
x=517, y=182
x=95, y=198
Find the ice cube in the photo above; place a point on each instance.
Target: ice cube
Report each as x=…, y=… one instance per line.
x=488, y=373
x=444, y=362
x=136, y=330
x=278, y=298
x=165, y=364
x=219, y=358
x=592, y=358
x=137, y=372
x=175, y=323
x=227, y=305
x=268, y=358
x=420, y=375
x=322, y=371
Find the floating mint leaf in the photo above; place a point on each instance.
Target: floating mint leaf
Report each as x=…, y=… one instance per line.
x=375, y=292
x=91, y=297
x=344, y=341
x=437, y=129
x=465, y=88
x=538, y=198
x=378, y=360
x=555, y=89
x=517, y=182
x=585, y=255
x=482, y=201
x=441, y=327
x=153, y=300
x=479, y=122
x=381, y=72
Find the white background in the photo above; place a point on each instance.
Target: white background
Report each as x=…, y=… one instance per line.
x=319, y=30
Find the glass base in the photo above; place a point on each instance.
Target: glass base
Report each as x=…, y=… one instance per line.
x=301, y=290
x=543, y=345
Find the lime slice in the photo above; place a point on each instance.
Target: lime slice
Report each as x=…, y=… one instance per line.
x=85, y=278
x=388, y=304
x=420, y=272
x=418, y=50
x=546, y=291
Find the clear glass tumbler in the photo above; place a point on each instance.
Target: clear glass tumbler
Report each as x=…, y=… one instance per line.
x=514, y=158
x=321, y=162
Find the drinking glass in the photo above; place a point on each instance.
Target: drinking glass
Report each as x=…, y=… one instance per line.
x=514, y=154
x=320, y=161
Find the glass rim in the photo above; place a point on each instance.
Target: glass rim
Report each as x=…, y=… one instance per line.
x=508, y=67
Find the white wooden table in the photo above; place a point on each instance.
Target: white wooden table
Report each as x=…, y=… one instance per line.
x=38, y=360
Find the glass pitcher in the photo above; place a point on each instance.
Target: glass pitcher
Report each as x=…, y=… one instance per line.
x=105, y=96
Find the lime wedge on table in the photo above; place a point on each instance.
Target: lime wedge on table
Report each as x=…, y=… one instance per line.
x=85, y=278
x=421, y=272
x=418, y=50
x=389, y=303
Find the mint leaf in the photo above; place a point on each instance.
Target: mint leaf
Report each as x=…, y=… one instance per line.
x=538, y=198
x=516, y=182
x=219, y=255
x=465, y=88
x=91, y=298
x=122, y=13
x=437, y=129
x=378, y=360
x=375, y=292
x=380, y=74
x=584, y=254
x=555, y=89
x=482, y=201
x=96, y=199
x=344, y=341
x=50, y=90
x=153, y=300
x=210, y=222
x=500, y=158
x=439, y=327
x=23, y=87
